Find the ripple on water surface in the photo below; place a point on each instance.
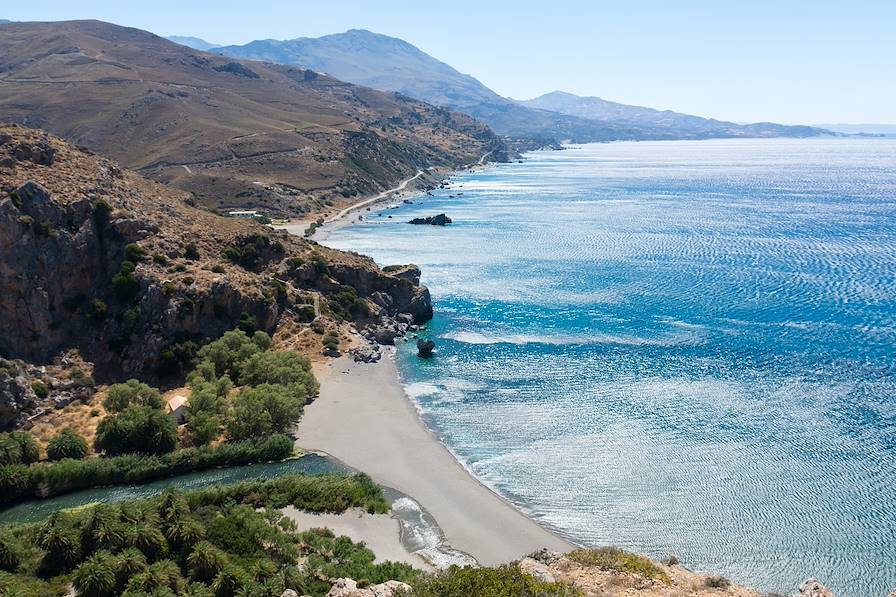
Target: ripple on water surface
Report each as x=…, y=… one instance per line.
x=678, y=347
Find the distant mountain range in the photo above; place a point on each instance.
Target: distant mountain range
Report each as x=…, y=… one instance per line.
x=391, y=64
x=865, y=128
x=676, y=123
x=192, y=42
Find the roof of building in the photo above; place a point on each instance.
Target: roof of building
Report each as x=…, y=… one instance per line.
x=176, y=402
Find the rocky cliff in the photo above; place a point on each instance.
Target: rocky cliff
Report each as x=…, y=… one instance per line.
x=97, y=258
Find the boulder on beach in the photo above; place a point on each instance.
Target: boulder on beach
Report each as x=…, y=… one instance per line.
x=425, y=348
x=439, y=220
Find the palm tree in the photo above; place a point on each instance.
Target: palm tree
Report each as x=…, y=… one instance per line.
x=9, y=559
x=150, y=540
x=102, y=529
x=185, y=532
x=61, y=541
x=228, y=582
x=158, y=577
x=130, y=562
x=206, y=561
x=96, y=576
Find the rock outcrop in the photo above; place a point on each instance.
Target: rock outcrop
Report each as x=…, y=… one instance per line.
x=425, y=348
x=346, y=587
x=813, y=588
x=439, y=220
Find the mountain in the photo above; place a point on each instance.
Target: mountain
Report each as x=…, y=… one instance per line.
x=392, y=64
x=233, y=133
x=4, y=21
x=681, y=125
x=192, y=42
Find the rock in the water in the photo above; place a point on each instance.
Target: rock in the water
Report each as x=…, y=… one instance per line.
x=439, y=220
x=536, y=570
x=425, y=348
x=346, y=587
x=813, y=588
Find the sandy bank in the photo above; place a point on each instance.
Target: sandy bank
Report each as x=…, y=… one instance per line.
x=364, y=419
x=379, y=532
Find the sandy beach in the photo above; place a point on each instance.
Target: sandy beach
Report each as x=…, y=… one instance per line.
x=364, y=419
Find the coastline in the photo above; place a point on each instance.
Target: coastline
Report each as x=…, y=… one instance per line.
x=364, y=418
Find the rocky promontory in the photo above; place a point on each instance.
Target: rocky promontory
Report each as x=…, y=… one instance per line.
x=99, y=259
x=439, y=220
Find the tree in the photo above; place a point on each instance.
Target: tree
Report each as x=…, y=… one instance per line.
x=66, y=444
x=102, y=529
x=137, y=429
x=230, y=580
x=263, y=410
x=131, y=393
x=129, y=562
x=61, y=542
x=206, y=561
x=230, y=351
x=18, y=447
x=203, y=428
x=288, y=369
x=9, y=558
x=149, y=540
x=96, y=576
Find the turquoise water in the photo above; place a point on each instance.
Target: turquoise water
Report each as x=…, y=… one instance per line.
x=680, y=348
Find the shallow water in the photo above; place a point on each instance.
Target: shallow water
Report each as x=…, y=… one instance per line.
x=676, y=347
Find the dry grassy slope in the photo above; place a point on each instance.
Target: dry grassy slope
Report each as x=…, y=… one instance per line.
x=158, y=106
x=57, y=260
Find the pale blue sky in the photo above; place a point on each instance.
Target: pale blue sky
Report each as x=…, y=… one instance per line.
x=812, y=61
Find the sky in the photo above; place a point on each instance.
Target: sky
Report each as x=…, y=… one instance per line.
x=809, y=62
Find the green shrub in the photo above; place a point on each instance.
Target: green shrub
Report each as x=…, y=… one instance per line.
x=134, y=252
x=284, y=368
x=191, y=252
x=615, y=559
x=131, y=393
x=98, y=310
x=503, y=581
x=66, y=444
x=39, y=389
x=137, y=429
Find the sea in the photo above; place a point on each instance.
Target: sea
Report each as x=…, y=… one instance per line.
x=680, y=348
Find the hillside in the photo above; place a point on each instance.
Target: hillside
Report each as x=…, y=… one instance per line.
x=388, y=63
x=676, y=123
x=233, y=133
x=102, y=261
x=391, y=64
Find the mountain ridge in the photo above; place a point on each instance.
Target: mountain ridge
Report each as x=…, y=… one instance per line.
x=384, y=62
x=233, y=133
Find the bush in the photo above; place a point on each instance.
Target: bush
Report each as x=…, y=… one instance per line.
x=137, y=429
x=131, y=393
x=66, y=444
x=262, y=410
x=191, y=252
x=615, y=559
x=717, y=582
x=228, y=353
x=503, y=581
x=134, y=252
x=39, y=389
x=98, y=310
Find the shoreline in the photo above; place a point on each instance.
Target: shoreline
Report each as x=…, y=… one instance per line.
x=364, y=418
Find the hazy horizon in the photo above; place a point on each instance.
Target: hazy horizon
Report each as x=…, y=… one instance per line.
x=822, y=63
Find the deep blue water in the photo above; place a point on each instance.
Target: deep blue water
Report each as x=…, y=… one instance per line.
x=679, y=348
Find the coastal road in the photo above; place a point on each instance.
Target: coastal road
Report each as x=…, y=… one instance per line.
x=375, y=198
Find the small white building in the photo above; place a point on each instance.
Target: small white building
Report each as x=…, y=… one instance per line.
x=244, y=213
x=176, y=407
